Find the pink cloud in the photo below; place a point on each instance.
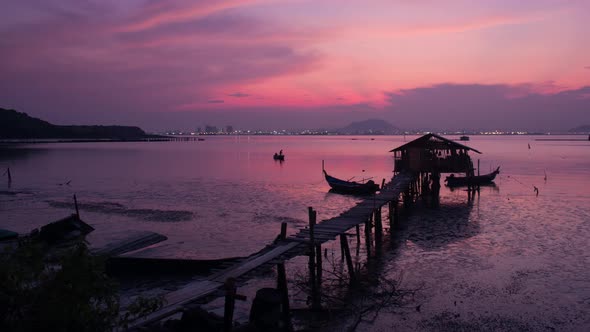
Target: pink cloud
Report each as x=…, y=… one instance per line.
x=170, y=55
x=162, y=13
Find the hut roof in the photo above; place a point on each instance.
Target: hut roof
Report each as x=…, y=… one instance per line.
x=435, y=142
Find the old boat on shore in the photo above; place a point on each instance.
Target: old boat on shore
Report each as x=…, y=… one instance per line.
x=351, y=187
x=476, y=180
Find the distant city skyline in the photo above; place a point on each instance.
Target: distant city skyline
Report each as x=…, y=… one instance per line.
x=266, y=64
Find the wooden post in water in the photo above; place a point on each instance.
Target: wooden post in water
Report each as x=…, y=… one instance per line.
x=368, y=236
x=358, y=239
x=230, y=300
x=76, y=206
x=318, y=265
x=283, y=235
x=378, y=222
x=395, y=204
x=406, y=198
x=344, y=244
x=284, y=291
x=378, y=231
x=315, y=302
x=390, y=214
x=9, y=176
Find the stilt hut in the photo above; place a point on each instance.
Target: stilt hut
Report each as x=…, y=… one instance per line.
x=433, y=154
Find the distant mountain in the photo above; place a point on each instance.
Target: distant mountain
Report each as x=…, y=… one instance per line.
x=16, y=125
x=581, y=129
x=369, y=127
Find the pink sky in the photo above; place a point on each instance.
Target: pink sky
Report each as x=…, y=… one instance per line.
x=142, y=62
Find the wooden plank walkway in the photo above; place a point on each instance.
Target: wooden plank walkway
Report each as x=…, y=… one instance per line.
x=294, y=245
x=130, y=242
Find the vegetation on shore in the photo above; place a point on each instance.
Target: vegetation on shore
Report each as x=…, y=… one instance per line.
x=65, y=290
x=17, y=125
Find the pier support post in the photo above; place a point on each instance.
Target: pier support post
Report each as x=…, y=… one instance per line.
x=378, y=221
x=378, y=231
x=344, y=245
x=368, y=239
x=230, y=300
x=358, y=239
x=283, y=235
x=390, y=214
x=395, y=213
x=318, y=265
x=315, y=297
x=284, y=291
x=406, y=199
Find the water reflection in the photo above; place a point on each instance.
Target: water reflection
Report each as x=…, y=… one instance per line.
x=433, y=229
x=492, y=186
x=19, y=152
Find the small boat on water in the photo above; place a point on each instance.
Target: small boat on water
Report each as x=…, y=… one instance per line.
x=456, y=181
x=464, y=138
x=351, y=187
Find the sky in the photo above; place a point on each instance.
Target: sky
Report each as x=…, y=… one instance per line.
x=291, y=64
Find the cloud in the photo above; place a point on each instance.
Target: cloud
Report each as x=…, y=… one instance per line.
x=239, y=95
x=70, y=56
x=499, y=106
x=215, y=101
x=587, y=67
x=161, y=13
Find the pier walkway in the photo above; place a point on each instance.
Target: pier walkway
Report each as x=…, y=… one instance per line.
x=283, y=249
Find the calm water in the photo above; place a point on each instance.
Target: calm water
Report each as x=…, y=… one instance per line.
x=509, y=261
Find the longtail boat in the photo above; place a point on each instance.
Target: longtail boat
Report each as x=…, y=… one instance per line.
x=457, y=181
x=351, y=187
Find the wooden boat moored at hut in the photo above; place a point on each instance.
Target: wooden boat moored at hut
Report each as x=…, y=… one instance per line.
x=476, y=180
x=351, y=187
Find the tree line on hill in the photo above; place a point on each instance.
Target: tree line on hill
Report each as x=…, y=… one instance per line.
x=17, y=125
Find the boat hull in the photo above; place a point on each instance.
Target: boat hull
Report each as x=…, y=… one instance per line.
x=456, y=181
x=351, y=187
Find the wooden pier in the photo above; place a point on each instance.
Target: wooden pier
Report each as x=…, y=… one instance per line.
x=298, y=244
x=417, y=167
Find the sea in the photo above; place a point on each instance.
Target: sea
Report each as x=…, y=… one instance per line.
x=511, y=259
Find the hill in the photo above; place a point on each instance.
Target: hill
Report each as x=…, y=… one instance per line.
x=369, y=127
x=580, y=129
x=17, y=125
